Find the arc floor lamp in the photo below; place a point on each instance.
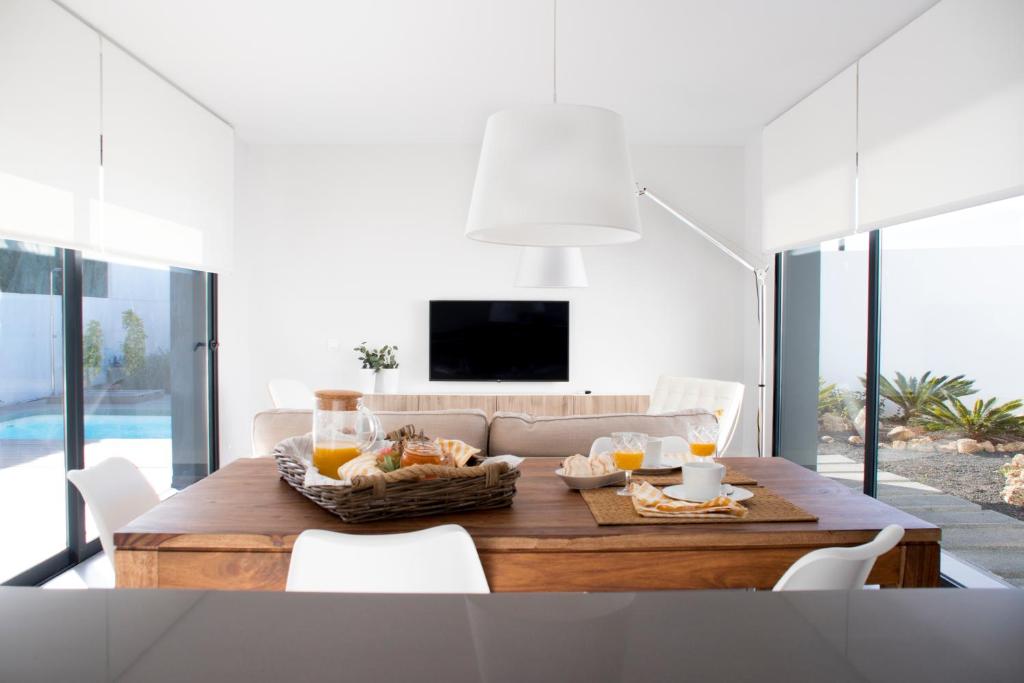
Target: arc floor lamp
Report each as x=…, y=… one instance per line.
x=559, y=175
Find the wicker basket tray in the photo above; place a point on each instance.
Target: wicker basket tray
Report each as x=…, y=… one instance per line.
x=409, y=492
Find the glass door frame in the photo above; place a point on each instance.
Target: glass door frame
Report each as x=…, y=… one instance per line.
x=77, y=549
x=872, y=402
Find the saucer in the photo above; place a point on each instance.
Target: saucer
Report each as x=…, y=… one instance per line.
x=734, y=493
x=664, y=467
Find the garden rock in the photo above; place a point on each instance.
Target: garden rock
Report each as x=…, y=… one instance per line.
x=855, y=440
x=949, y=447
x=1013, y=492
x=967, y=446
x=922, y=444
x=827, y=439
x=898, y=445
x=987, y=447
x=830, y=422
x=860, y=421
x=900, y=434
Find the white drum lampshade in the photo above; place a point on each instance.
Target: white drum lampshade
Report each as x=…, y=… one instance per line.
x=554, y=175
x=551, y=267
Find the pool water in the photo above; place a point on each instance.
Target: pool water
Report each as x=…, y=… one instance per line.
x=51, y=427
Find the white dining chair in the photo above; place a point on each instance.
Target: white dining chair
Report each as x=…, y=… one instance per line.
x=839, y=568
x=683, y=393
x=116, y=493
x=290, y=393
x=442, y=559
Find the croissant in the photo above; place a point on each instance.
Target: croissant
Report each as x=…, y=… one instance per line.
x=576, y=466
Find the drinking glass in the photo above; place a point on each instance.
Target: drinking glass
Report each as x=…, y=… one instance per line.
x=703, y=440
x=628, y=454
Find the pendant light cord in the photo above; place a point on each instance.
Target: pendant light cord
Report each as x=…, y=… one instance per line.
x=554, y=52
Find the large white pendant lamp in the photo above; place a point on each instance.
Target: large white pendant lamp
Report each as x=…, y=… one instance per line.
x=554, y=175
x=551, y=267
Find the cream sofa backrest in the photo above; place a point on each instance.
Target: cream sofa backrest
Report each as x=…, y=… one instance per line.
x=525, y=435
x=270, y=427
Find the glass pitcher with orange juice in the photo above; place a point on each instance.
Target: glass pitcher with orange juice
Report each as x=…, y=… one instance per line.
x=342, y=429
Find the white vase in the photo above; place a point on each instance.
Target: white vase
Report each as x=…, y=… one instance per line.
x=367, y=380
x=387, y=381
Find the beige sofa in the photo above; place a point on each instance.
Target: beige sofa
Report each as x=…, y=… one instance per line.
x=506, y=433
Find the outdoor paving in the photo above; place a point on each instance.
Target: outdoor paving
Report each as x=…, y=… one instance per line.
x=984, y=538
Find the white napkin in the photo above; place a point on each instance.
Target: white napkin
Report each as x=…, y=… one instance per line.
x=512, y=460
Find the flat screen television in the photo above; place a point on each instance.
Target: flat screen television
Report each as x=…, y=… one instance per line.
x=503, y=341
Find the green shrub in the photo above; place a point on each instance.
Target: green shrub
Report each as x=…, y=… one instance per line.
x=134, y=346
x=92, y=350
x=830, y=400
x=155, y=373
x=983, y=420
x=914, y=396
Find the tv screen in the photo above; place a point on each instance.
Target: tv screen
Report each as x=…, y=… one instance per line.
x=511, y=341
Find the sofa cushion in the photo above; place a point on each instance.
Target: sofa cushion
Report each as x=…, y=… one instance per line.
x=521, y=434
x=270, y=427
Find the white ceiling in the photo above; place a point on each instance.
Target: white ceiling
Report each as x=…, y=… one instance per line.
x=420, y=71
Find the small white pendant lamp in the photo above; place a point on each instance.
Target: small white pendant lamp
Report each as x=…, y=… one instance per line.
x=551, y=267
x=554, y=175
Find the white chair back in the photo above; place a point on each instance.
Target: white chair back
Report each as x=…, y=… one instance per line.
x=116, y=493
x=290, y=393
x=438, y=560
x=839, y=568
x=680, y=393
x=602, y=444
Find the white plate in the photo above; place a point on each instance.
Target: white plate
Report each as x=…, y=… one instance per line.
x=734, y=493
x=677, y=460
x=581, y=483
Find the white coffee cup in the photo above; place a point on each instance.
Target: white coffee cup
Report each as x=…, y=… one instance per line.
x=652, y=453
x=703, y=480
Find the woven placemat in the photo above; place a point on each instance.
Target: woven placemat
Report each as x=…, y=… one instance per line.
x=732, y=476
x=609, y=509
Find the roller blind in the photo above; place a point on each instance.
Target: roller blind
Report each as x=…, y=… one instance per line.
x=168, y=172
x=941, y=113
x=809, y=157
x=49, y=124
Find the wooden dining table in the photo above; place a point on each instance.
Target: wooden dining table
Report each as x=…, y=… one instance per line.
x=235, y=529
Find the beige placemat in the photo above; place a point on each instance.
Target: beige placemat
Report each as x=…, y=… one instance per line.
x=609, y=508
x=732, y=476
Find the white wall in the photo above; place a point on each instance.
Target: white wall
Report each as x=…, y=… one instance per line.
x=349, y=243
x=949, y=310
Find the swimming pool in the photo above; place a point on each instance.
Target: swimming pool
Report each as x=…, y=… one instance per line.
x=51, y=427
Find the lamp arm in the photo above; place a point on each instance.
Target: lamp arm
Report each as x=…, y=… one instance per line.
x=760, y=275
x=644, y=192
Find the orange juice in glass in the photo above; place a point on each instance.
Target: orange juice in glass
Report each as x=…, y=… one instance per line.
x=628, y=454
x=703, y=440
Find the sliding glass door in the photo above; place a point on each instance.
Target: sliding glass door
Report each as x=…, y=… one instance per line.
x=33, y=506
x=950, y=413
x=98, y=359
